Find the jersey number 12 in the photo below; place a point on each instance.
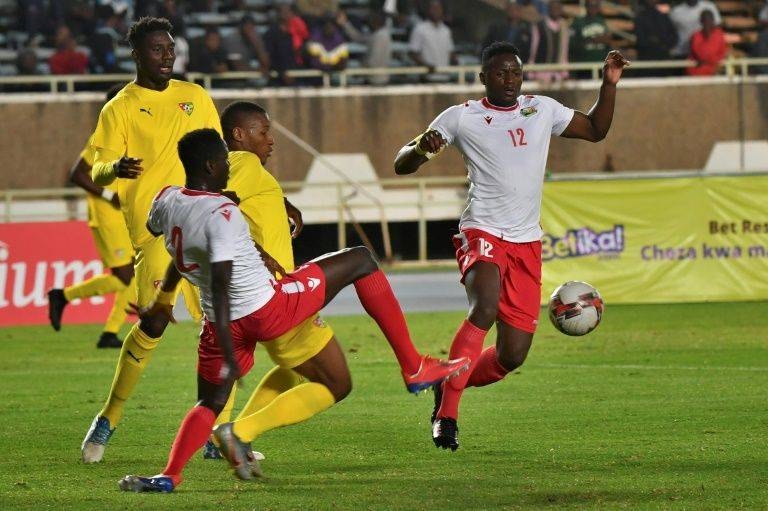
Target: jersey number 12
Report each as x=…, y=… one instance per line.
x=518, y=137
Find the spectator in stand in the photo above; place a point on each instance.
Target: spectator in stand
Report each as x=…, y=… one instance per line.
x=173, y=12
x=80, y=17
x=590, y=37
x=103, y=43
x=245, y=48
x=284, y=42
x=314, y=11
x=431, y=43
x=67, y=60
x=708, y=47
x=760, y=50
x=533, y=11
x=181, y=48
x=686, y=17
x=26, y=62
x=326, y=47
x=33, y=18
x=514, y=30
x=208, y=55
x=656, y=36
x=378, y=42
x=550, y=40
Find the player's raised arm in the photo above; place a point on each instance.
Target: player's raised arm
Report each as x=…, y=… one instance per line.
x=418, y=151
x=594, y=126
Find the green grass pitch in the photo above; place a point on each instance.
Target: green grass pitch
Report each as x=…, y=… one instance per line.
x=662, y=407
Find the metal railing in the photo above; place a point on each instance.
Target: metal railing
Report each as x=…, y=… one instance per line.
x=423, y=204
x=67, y=83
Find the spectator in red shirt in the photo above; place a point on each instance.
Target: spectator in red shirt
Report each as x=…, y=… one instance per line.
x=67, y=60
x=708, y=47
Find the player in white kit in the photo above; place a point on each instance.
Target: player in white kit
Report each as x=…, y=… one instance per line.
x=210, y=243
x=504, y=139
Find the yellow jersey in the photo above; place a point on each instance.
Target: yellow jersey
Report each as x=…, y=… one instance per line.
x=100, y=212
x=147, y=124
x=262, y=204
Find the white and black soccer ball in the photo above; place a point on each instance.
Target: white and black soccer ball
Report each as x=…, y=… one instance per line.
x=575, y=308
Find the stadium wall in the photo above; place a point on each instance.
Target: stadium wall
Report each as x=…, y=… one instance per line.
x=664, y=125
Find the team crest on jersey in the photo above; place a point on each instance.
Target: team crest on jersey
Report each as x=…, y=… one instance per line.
x=528, y=111
x=187, y=107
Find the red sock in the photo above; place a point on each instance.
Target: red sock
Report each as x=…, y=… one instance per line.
x=380, y=303
x=468, y=342
x=194, y=431
x=488, y=370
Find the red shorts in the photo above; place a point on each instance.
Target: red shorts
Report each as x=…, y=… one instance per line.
x=298, y=296
x=519, y=268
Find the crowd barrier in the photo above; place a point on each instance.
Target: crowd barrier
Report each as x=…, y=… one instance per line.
x=690, y=238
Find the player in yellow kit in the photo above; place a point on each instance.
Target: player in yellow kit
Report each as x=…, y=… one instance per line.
x=135, y=144
x=114, y=247
x=247, y=133
x=246, y=129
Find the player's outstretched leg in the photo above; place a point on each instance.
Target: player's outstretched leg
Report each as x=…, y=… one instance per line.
x=234, y=450
x=158, y=483
x=357, y=266
x=95, y=441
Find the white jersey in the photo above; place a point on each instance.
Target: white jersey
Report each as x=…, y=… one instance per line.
x=505, y=151
x=202, y=228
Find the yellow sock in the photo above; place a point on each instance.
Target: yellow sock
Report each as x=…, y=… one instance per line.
x=96, y=286
x=274, y=383
x=134, y=356
x=191, y=300
x=295, y=405
x=117, y=315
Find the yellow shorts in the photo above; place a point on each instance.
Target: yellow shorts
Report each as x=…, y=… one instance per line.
x=113, y=244
x=300, y=343
x=152, y=261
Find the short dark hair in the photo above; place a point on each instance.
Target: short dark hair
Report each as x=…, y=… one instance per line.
x=197, y=147
x=233, y=115
x=497, y=48
x=147, y=25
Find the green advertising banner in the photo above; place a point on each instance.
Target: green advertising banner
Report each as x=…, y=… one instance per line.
x=659, y=240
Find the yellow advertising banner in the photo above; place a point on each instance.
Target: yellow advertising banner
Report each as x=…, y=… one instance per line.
x=659, y=240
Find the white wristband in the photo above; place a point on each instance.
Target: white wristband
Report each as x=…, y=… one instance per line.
x=107, y=194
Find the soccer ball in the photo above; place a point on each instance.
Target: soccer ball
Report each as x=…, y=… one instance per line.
x=575, y=308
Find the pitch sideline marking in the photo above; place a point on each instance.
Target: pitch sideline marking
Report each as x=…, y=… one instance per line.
x=650, y=367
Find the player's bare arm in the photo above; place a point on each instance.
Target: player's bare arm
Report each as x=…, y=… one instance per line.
x=80, y=175
x=414, y=154
x=294, y=215
x=270, y=262
x=594, y=125
x=221, y=275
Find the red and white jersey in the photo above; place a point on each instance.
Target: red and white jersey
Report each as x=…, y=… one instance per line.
x=202, y=228
x=505, y=151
